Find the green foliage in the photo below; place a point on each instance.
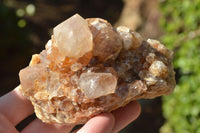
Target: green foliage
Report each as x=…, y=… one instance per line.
x=181, y=23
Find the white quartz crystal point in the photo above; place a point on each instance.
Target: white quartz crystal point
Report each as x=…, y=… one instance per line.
x=73, y=37
x=131, y=39
x=95, y=85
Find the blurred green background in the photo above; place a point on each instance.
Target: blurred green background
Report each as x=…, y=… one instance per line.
x=26, y=25
x=181, y=23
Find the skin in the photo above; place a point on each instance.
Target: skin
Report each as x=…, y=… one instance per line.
x=14, y=108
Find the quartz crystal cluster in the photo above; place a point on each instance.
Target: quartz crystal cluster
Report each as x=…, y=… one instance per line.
x=89, y=67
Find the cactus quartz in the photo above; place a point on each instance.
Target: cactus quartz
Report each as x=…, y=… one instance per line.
x=89, y=67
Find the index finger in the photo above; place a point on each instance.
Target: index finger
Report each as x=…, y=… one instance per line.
x=125, y=115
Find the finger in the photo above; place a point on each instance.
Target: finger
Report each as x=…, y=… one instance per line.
x=102, y=123
x=6, y=126
x=15, y=107
x=125, y=115
x=37, y=126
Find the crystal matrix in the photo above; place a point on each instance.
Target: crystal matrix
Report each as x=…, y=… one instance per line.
x=89, y=67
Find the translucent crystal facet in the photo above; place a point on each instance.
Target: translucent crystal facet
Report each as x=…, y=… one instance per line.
x=73, y=37
x=95, y=85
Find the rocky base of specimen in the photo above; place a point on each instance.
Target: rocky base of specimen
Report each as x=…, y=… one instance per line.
x=89, y=67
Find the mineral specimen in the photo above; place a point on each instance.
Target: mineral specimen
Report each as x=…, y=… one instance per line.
x=89, y=67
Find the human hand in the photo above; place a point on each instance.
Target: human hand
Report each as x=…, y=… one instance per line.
x=14, y=107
